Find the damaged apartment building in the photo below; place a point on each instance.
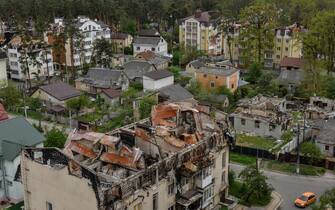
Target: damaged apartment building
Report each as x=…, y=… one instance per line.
x=176, y=160
x=261, y=116
x=320, y=108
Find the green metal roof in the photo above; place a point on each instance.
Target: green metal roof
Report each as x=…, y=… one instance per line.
x=15, y=134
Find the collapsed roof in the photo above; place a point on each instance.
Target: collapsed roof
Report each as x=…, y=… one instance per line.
x=178, y=136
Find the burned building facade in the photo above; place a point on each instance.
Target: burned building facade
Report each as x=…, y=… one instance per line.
x=176, y=160
x=261, y=116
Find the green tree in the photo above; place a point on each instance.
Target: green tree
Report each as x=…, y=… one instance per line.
x=311, y=150
x=102, y=53
x=10, y=96
x=260, y=20
x=77, y=104
x=129, y=26
x=254, y=73
x=327, y=200
x=256, y=189
x=146, y=106
x=55, y=138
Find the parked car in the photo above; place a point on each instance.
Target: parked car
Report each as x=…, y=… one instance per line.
x=305, y=199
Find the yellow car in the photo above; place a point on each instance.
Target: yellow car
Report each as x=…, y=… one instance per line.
x=306, y=199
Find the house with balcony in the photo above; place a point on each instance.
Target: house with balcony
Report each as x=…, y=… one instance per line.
x=150, y=40
x=29, y=60
x=200, y=31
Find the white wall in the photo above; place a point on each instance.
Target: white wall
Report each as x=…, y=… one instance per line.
x=150, y=84
x=3, y=73
x=161, y=48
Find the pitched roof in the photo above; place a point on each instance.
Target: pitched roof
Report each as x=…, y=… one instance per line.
x=203, y=17
x=146, y=55
x=291, y=76
x=327, y=132
x=101, y=77
x=12, y=141
x=160, y=74
x=292, y=62
x=112, y=93
x=217, y=70
x=60, y=90
x=119, y=36
x=149, y=32
x=175, y=93
x=147, y=40
x=197, y=64
x=3, y=113
x=136, y=68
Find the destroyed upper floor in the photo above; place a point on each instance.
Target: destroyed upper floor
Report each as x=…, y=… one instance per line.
x=179, y=135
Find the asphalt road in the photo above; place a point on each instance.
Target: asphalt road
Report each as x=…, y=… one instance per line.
x=290, y=186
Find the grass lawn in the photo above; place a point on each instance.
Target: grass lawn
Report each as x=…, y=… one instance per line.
x=242, y=159
x=255, y=142
x=291, y=168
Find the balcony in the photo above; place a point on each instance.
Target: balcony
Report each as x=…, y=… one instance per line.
x=204, y=178
x=189, y=200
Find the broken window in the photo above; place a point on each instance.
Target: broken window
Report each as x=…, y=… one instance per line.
x=272, y=126
x=327, y=147
x=223, y=160
x=171, y=207
x=212, y=83
x=49, y=206
x=257, y=123
x=155, y=201
x=184, y=181
x=243, y=121
x=171, y=188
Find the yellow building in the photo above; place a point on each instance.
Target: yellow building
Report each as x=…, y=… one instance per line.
x=199, y=31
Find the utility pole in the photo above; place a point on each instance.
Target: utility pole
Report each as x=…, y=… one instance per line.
x=298, y=150
x=70, y=119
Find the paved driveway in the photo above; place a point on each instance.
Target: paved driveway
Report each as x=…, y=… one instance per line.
x=290, y=186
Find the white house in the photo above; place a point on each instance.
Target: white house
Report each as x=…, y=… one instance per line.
x=155, y=80
x=12, y=141
x=90, y=30
x=38, y=56
x=150, y=40
x=3, y=70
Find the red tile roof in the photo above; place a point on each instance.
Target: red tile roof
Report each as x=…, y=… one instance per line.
x=292, y=62
x=3, y=113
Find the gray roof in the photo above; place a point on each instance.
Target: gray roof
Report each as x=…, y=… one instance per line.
x=160, y=74
x=136, y=69
x=15, y=134
x=147, y=40
x=327, y=132
x=291, y=76
x=60, y=90
x=100, y=77
x=176, y=93
x=197, y=64
x=217, y=71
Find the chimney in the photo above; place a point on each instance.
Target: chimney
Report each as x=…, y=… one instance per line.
x=197, y=13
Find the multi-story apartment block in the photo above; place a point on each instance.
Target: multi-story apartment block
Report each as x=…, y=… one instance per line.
x=177, y=159
x=79, y=49
x=199, y=31
x=286, y=44
x=28, y=60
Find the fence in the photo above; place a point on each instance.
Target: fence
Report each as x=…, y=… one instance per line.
x=286, y=157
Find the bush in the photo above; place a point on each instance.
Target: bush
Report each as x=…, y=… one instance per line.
x=55, y=138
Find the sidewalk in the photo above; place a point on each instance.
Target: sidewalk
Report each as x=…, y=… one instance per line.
x=273, y=205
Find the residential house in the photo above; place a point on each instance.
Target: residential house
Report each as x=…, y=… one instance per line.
x=291, y=63
x=111, y=96
x=159, y=62
x=286, y=44
x=3, y=70
x=193, y=66
x=291, y=73
x=144, y=165
x=175, y=93
x=200, y=31
x=320, y=108
x=150, y=40
x=55, y=95
x=135, y=70
x=29, y=60
x=324, y=131
x=155, y=80
x=121, y=41
x=212, y=78
x=15, y=134
x=118, y=60
x=261, y=116
x=98, y=79
x=79, y=49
